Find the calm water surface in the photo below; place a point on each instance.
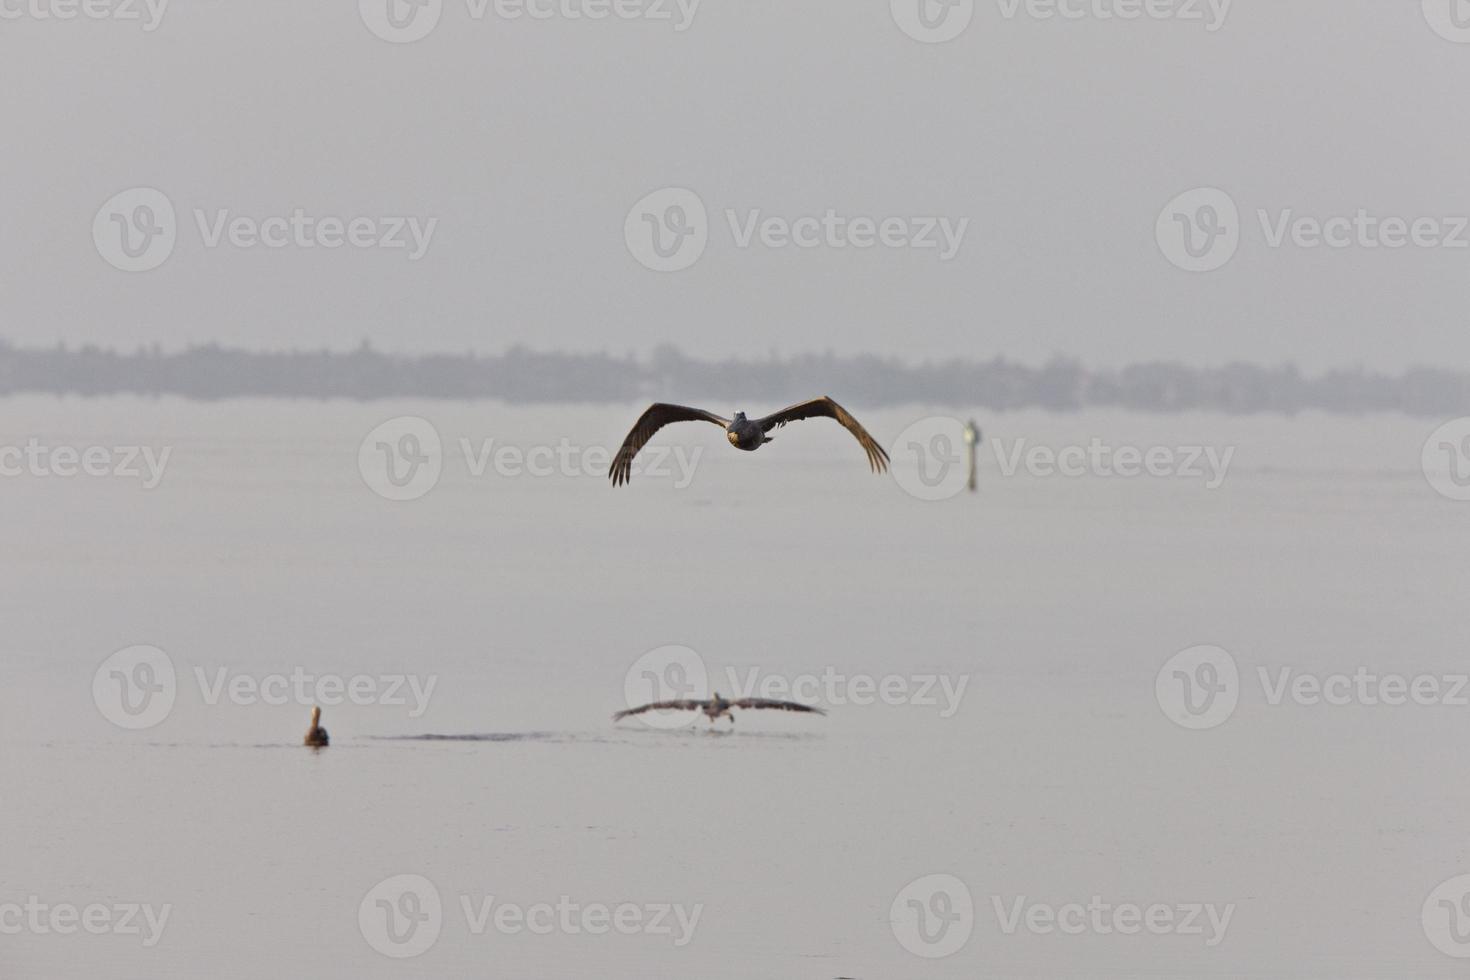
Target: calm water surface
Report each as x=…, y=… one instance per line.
x=526, y=600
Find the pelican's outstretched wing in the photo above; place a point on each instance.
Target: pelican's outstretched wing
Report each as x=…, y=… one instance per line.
x=656, y=417
x=683, y=705
x=778, y=705
x=825, y=407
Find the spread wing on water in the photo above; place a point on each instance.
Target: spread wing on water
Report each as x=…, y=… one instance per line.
x=686, y=704
x=656, y=417
x=825, y=407
x=777, y=705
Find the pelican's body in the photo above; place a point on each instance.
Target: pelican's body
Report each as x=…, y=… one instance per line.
x=743, y=433
x=717, y=707
x=316, y=735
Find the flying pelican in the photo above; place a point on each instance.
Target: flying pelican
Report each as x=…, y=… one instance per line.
x=316, y=735
x=743, y=433
x=717, y=706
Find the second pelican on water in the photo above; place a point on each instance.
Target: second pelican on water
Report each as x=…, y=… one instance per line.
x=316, y=735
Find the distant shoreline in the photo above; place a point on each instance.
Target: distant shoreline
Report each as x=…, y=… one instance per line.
x=523, y=376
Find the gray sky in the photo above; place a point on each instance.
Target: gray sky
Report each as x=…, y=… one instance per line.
x=529, y=140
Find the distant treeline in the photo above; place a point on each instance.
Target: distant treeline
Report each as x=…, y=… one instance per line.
x=524, y=376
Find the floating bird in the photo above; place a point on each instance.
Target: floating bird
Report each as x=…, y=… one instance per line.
x=316, y=735
x=717, y=707
x=743, y=433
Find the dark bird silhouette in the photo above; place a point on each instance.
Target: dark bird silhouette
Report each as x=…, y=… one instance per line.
x=316, y=735
x=743, y=433
x=717, y=707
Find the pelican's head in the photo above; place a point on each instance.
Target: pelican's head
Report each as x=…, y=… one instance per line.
x=739, y=416
x=316, y=716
